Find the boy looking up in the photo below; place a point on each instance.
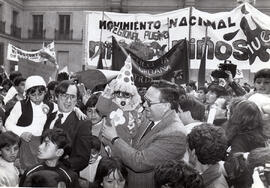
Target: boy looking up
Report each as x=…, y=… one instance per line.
x=53, y=149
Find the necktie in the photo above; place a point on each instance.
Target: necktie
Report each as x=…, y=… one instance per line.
x=58, y=123
x=148, y=128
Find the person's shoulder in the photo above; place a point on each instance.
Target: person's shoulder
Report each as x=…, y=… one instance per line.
x=34, y=168
x=70, y=174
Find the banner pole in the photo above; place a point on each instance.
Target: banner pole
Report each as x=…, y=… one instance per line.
x=189, y=38
x=168, y=22
x=100, y=37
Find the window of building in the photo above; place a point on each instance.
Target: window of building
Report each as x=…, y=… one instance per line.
x=2, y=53
x=37, y=24
x=1, y=12
x=64, y=23
x=14, y=18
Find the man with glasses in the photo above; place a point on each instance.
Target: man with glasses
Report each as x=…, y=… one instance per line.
x=160, y=138
x=79, y=131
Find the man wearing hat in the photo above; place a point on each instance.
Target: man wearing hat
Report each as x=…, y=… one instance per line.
x=27, y=119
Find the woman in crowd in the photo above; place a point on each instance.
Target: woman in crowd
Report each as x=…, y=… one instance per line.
x=176, y=174
x=244, y=129
x=111, y=173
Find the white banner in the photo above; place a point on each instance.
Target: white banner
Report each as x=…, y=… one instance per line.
x=47, y=53
x=240, y=35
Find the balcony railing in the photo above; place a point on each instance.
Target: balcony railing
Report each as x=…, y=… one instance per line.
x=36, y=35
x=2, y=27
x=66, y=35
x=15, y=31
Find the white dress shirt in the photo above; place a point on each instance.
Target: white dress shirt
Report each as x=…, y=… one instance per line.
x=65, y=115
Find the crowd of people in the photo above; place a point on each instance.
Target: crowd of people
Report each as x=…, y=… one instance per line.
x=62, y=134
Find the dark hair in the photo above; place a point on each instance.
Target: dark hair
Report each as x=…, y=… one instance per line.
x=92, y=101
x=13, y=75
x=59, y=137
x=203, y=88
x=209, y=142
x=196, y=108
x=192, y=84
x=263, y=73
x=8, y=139
x=40, y=88
x=51, y=85
x=169, y=92
x=18, y=80
x=106, y=166
x=177, y=174
x=43, y=178
x=95, y=143
x=218, y=90
x=7, y=82
x=62, y=88
x=62, y=76
x=245, y=117
x=258, y=157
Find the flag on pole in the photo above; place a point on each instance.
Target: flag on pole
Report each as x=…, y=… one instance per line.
x=118, y=56
x=100, y=63
x=201, y=75
x=173, y=64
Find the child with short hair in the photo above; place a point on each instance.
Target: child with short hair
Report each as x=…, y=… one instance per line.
x=52, y=150
x=262, y=90
x=9, y=149
x=90, y=171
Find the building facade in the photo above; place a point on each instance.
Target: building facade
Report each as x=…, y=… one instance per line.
x=28, y=24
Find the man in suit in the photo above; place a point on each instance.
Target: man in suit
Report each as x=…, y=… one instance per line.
x=159, y=139
x=79, y=131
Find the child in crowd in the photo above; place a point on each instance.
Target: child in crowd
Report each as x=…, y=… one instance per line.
x=93, y=114
x=175, y=174
x=90, y=171
x=9, y=149
x=2, y=120
x=262, y=91
x=111, y=173
x=53, y=149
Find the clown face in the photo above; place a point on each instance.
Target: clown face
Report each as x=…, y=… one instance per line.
x=123, y=100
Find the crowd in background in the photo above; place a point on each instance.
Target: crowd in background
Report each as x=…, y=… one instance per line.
x=59, y=135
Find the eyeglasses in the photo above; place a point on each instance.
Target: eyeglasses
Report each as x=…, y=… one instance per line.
x=66, y=96
x=36, y=91
x=121, y=94
x=149, y=103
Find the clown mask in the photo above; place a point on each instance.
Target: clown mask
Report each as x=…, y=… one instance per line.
x=123, y=100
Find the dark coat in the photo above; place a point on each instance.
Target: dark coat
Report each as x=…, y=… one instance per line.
x=80, y=134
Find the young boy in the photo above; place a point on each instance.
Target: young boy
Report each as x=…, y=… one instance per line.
x=53, y=149
x=90, y=171
x=9, y=149
x=262, y=91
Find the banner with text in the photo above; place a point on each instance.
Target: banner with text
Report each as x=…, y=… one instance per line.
x=47, y=53
x=240, y=35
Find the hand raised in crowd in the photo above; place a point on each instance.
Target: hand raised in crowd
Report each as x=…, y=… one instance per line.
x=230, y=76
x=80, y=114
x=26, y=136
x=108, y=131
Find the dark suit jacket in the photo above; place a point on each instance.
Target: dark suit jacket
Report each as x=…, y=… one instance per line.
x=80, y=134
x=165, y=141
